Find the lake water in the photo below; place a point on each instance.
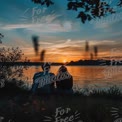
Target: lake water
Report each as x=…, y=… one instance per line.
x=86, y=76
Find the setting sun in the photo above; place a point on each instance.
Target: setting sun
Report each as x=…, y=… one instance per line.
x=64, y=61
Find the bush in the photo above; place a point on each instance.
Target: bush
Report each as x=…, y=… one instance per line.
x=9, y=72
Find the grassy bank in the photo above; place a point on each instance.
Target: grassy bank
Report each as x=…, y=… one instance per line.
x=20, y=105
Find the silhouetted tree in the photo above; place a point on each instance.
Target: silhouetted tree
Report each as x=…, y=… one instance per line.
x=36, y=44
x=11, y=55
x=87, y=9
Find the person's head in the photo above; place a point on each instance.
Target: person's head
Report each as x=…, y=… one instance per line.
x=46, y=67
x=62, y=69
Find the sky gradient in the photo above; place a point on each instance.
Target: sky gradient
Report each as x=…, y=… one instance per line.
x=60, y=33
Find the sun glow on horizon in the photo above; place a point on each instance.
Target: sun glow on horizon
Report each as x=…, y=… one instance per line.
x=64, y=61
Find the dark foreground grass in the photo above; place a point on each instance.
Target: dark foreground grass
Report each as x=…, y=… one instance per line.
x=20, y=105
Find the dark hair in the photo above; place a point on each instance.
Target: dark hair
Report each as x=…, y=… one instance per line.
x=62, y=69
x=46, y=65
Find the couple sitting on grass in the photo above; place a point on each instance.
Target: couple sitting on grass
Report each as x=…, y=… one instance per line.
x=48, y=83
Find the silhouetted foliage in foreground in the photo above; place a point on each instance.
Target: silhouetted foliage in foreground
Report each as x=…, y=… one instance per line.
x=12, y=55
x=87, y=9
x=21, y=106
x=44, y=2
x=18, y=85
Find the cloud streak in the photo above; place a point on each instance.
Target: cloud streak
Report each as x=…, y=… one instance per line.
x=44, y=28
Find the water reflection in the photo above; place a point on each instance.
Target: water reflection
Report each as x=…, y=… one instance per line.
x=82, y=75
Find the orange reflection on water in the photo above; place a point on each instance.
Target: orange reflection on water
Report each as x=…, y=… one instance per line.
x=82, y=75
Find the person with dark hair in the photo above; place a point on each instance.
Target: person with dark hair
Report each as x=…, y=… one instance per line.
x=41, y=81
x=64, y=81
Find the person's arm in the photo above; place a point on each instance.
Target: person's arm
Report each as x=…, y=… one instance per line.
x=71, y=81
x=34, y=85
x=52, y=82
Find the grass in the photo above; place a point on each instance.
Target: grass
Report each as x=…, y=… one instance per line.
x=20, y=105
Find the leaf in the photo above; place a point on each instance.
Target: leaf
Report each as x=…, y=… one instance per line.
x=87, y=8
x=70, y=5
x=89, y=17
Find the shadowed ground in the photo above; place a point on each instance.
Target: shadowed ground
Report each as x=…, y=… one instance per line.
x=20, y=105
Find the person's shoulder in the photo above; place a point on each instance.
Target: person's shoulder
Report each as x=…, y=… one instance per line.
x=70, y=76
x=38, y=74
x=52, y=74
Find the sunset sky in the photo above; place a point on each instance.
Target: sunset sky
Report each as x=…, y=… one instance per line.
x=60, y=33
